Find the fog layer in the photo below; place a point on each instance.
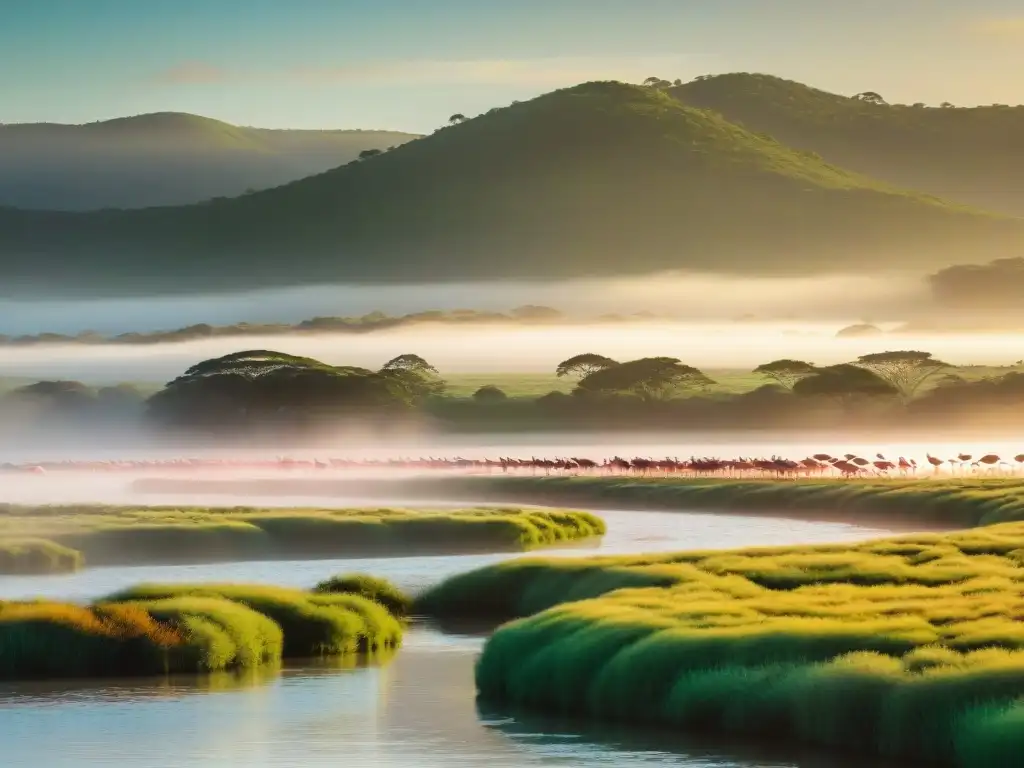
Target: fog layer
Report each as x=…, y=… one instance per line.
x=510, y=348
x=681, y=296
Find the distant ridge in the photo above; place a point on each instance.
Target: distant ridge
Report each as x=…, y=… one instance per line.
x=598, y=179
x=973, y=155
x=163, y=158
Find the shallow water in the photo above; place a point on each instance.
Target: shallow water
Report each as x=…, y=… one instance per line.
x=416, y=710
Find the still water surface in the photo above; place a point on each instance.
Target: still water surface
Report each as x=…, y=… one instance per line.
x=415, y=710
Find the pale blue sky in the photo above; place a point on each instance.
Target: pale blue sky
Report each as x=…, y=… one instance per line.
x=408, y=65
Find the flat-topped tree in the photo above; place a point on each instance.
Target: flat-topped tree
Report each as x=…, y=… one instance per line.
x=904, y=370
x=649, y=378
x=786, y=373
x=845, y=383
x=234, y=389
x=584, y=365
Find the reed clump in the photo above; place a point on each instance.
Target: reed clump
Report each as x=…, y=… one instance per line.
x=370, y=587
x=909, y=648
x=37, y=556
x=157, y=629
x=102, y=535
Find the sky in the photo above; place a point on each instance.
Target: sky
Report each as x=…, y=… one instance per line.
x=409, y=64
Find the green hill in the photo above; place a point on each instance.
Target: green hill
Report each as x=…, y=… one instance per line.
x=974, y=155
x=163, y=159
x=599, y=179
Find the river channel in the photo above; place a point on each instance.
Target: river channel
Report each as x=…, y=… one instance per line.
x=415, y=709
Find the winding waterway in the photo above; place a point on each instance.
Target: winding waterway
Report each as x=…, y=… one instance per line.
x=416, y=709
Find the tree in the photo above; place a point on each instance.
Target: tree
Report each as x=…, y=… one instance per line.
x=489, y=394
x=249, y=387
x=649, y=378
x=870, y=97
x=416, y=378
x=905, y=371
x=583, y=365
x=652, y=81
x=367, y=153
x=785, y=372
x=845, y=383
x=457, y=118
x=409, y=362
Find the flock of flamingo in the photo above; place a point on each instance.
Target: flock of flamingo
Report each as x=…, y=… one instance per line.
x=819, y=465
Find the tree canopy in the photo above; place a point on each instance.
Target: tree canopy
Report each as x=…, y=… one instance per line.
x=262, y=385
x=583, y=365
x=904, y=370
x=786, y=373
x=845, y=383
x=648, y=377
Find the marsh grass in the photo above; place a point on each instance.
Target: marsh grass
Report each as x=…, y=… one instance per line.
x=102, y=535
x=37, y=556
x=909, y=648
x=157, y=629
x=370, y=587
x=954, y=502
x=313, y=624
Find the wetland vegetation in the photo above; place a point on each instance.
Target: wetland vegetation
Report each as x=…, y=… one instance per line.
x=64, y=538
x=908, y=648
x=155, y=629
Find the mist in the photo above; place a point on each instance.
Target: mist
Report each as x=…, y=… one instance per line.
x=683, y=296
x=508, y=349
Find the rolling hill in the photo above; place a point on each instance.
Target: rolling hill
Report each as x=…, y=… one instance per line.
x=972, y=155
x=166, y=158
x=598, y=179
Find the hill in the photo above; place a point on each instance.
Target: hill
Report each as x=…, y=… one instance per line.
x=972, y=155
x=167, y=158
x=599, y=179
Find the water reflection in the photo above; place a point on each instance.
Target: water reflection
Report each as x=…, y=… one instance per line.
x=416, y=709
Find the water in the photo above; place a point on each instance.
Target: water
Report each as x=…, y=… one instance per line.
x=418, y=709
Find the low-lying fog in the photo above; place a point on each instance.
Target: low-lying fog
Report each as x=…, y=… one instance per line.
x=510, y=348
x=681, y=296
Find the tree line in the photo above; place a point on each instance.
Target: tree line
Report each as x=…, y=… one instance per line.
x=274, y=392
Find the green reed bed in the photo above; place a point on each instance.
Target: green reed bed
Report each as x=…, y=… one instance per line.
x=953, y=502
x=37, y=556
x=164, y=535
x=155, y=629
x=910, y=648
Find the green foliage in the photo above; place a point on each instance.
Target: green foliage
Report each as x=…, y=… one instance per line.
x=786, y=373
x=37, y=556
x=648, y=378
x=584, y=365
x=679, y=176
x=905, y=370
x=160, y=629
x=131, y=535
x=845, y=382
x=489, y=394
x=242, y=389
x=950, y=501
x=973, y=155
x=312, y=624
x=370, y=587
x=906, y=648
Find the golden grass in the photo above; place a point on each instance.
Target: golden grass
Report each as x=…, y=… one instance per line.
x=167, y=629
